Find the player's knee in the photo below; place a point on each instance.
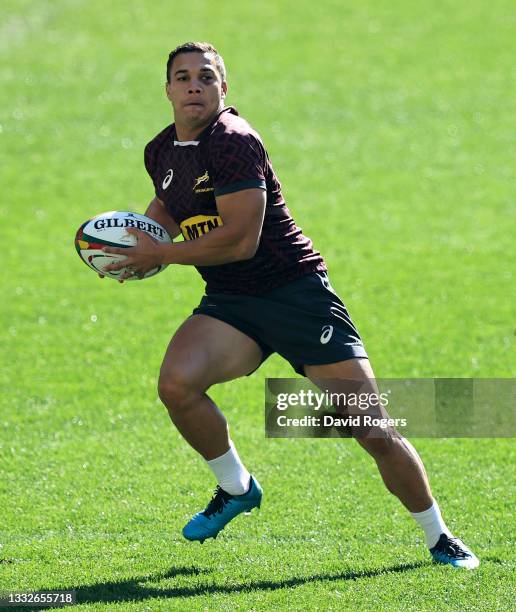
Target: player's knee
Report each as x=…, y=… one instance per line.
x=177, y=390
x=381, y=446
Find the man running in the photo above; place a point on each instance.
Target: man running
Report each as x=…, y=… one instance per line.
x=267, y=290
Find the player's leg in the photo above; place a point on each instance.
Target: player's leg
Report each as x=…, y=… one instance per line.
x=205, y=351
x=400, y=466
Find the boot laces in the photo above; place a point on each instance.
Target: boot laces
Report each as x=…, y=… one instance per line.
x=217, y=503
x=452, y=547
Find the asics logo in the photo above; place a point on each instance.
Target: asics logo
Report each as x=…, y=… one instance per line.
x=168, y=178
x=325, y=281
x=326, y=335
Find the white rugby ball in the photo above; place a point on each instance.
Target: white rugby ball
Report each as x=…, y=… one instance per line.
x=109, y=229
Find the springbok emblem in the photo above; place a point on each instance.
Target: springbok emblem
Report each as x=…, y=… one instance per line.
x=201, y=179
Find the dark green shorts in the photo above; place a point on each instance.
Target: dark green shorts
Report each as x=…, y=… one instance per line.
x=303, y=321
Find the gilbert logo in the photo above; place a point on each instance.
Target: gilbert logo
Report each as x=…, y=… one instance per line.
x=326, y=335
x=129, y=221
x=204, y=178
x=168, y=178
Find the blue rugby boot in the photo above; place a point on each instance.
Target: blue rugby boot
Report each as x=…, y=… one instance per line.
x=222, y=508
x=452, y=551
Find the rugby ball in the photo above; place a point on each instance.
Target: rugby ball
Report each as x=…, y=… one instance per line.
x=109, y=229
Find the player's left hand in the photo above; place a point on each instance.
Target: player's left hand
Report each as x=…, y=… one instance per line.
x=140, y=259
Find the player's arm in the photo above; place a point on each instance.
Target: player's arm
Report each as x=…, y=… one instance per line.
x=237, y=239
x=157, y=211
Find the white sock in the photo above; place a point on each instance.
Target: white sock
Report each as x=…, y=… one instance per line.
x=432, y=523
x=230, y=472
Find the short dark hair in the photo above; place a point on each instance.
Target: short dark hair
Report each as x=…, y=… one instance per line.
x=197, y=47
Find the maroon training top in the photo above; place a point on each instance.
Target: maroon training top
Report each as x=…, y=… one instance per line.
x=227, y=157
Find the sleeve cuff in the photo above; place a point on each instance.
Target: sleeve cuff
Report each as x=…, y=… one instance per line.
x=240, y=186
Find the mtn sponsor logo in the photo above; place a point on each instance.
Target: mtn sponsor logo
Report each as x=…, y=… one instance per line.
x=193, y=227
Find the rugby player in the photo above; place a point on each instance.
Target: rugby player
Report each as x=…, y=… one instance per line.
x=267, y=290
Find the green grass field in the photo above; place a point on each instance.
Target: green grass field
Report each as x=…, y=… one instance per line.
x=391, y=126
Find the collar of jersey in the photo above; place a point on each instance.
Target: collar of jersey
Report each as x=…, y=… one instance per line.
x=194, y=143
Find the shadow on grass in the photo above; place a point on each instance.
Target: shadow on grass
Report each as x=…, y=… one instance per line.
x=134, y=590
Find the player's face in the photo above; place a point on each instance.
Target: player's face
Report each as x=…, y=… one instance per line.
x=196, y=90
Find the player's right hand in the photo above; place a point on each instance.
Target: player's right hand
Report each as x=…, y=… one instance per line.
x=120, y=280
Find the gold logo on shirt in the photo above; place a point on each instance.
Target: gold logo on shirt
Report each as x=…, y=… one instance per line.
x=199, y=225
x=204, y=178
